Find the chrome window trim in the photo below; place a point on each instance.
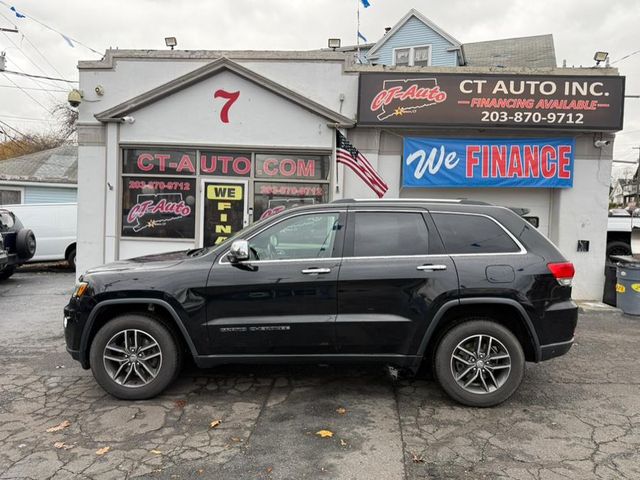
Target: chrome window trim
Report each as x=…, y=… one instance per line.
x=523, y=250
x=286, y=217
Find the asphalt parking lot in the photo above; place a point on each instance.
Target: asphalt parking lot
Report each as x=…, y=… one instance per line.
x=574, y=417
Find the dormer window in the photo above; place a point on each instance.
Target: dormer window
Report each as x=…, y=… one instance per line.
x=417, y=56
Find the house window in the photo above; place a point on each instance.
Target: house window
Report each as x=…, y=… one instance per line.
x=418, y=56
x=402, y=56
x=10, y=197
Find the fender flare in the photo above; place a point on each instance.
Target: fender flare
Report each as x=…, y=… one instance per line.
x=476, y=301
x=84, y=339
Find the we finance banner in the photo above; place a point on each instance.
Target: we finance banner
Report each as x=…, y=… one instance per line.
x=448, y=162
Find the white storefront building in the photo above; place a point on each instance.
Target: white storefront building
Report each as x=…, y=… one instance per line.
x=179, y=149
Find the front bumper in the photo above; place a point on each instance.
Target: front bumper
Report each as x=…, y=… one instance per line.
x=73, y=331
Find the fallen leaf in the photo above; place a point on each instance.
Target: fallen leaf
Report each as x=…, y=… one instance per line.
x=156, y=452
x=200, y=471
x=215, y=423
x=236, y=439
x=325, y=433
x=269, y=469
x=341, y=410
x=60, y=445
x=180, y=404
x=103, y=450
x=343, y=443
x=59, y=427
x=417, y=458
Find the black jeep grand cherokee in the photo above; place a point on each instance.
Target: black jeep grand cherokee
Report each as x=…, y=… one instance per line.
x=470, y=290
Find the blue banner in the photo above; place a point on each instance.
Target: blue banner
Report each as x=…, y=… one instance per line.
x=469, y=162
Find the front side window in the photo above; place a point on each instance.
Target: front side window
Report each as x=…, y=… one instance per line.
x=473, y=234
x=299, y=237
x=390, y=234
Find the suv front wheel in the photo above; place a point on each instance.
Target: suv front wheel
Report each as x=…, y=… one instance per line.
x=134, y=357
x=479, y=363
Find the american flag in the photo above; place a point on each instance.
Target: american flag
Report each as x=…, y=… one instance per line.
x=349, y=155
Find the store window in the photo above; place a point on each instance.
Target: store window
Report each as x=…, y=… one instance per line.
x=168, y=192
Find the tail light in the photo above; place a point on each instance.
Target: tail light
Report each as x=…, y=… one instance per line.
x=563, y=272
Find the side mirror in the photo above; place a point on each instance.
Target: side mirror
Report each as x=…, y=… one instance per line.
x=239, y=251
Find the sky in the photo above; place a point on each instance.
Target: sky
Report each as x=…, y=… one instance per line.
x=579, y=27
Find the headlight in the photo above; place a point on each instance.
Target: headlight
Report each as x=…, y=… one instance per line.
x=81, y=288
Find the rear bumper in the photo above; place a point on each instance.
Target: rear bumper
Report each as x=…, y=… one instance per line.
x=553, y=350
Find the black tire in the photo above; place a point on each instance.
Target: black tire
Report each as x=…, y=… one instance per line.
x=171, y=358
x=25, y=244
x=444, y=364
x=71, y=258
x=618, y=248
x=7, y=271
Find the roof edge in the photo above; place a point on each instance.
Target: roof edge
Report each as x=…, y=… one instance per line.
x=115, y=113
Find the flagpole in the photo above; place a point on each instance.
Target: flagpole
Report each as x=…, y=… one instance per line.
x=358, y=31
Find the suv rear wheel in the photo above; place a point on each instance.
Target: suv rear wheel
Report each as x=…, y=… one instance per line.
x=479, y=363
x=135, y=357
x=6, y=271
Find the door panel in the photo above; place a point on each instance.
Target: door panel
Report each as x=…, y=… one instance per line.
x=386, y=304
x=273, y=307
x=386, y=299
x=284, y=299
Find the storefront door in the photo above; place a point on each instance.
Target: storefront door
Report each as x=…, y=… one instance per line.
x=224, y=209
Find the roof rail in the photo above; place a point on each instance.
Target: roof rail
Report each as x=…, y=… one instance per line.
x=463, y=201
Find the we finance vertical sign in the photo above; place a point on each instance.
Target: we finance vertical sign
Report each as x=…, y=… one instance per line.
x=455, y=163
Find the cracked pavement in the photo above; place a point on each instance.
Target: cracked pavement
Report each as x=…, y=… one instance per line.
x=577, y=416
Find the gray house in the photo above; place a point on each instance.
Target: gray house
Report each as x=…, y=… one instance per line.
x=49, y=176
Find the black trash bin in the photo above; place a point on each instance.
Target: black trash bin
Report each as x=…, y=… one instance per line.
x=609, y=294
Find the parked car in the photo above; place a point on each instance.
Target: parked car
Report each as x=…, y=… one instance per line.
x=620, y=226
x=55, y=226
x=18, y=243
x=467, y=289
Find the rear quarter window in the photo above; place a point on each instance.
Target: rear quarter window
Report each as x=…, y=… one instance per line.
x=467, y=234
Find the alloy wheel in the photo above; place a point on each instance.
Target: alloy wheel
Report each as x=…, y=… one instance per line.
x=480, y=364
x=132, y=358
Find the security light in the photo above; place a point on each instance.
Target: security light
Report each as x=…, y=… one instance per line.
x=170, y=42
x=334, y=43
x=600, y=57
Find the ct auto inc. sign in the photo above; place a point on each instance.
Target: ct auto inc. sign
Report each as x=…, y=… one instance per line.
x=486, y=100
x=451, y=162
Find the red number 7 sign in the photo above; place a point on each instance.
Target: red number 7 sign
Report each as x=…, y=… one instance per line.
x=231, y=97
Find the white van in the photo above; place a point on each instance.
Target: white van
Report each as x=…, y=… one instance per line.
x=54, y=225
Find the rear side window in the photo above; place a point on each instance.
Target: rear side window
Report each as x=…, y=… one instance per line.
x=472, y=234
x=390, y=233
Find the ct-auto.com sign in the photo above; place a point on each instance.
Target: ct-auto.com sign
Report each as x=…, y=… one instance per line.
x=480, y=101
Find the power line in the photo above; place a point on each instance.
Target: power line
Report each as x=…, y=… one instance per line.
x=66, y=37
x=25, y=92
x=39, y=76
x=14, y=129
x=36, y=89
x=625, y=57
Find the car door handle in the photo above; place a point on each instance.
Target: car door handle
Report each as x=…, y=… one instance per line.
x=431, y=268
x=311, y=271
